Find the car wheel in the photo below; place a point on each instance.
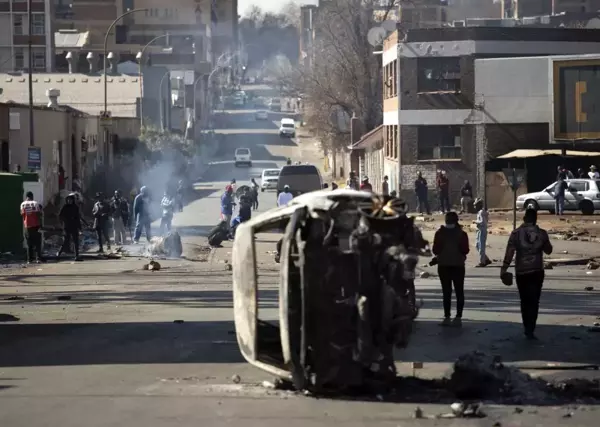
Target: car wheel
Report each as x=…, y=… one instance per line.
x=531, y=204
x=587, y=207
x=262, y=190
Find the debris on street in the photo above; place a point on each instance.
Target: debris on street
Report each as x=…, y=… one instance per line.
x=169, y=246
x=592, y=265
x=64, y=298
x=8, y=318
x=236, y=379
x=152, y=266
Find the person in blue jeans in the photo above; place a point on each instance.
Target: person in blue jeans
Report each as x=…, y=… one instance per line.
x=227, y=205
x=141, y=211
x=559, y=193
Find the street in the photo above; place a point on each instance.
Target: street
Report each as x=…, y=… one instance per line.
x=105, y=343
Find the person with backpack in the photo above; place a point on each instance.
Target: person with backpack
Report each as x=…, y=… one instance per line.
x=451, y=247
x=527, y=244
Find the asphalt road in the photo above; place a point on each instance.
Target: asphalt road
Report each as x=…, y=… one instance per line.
x=97, y=344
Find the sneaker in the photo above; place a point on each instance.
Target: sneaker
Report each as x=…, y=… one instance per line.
x=457, y=322
x=488, y=262
x=530, y=336
x=58, y=254
x=446, y=322
x=481, y=265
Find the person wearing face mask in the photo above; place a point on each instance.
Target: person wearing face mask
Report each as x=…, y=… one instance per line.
x=451, y=247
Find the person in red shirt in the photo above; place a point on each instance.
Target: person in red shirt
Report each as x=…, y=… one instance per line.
x=31, y=211
x=366, y=185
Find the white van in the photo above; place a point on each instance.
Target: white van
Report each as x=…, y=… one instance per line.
x=287, y=128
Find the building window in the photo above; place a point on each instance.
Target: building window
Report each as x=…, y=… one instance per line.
x=39, y=24
x=18, y=25
x=39, y=60
x=439, y=143
x=19, y=58
x=438, y=74
x=391, y=141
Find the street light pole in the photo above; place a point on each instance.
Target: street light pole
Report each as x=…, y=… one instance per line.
x=105, y=51
x=141, y=59
x=160, y=100
x=30, y=71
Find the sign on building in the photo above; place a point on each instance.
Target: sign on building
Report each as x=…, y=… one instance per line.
x=34, y=158
x=576, y=100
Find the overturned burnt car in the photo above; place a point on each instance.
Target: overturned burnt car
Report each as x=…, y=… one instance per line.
x=346, y=290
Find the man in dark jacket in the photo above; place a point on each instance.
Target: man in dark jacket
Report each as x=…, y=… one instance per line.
x=120, y=217
x=71, y=220
x=443, y=187
x=141, y=212
x=529, y=243
x=421, y=191
x=466, y=197
x=102, y=214
x=451, y=247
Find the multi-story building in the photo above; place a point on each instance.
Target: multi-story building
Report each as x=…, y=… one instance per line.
x=431, y=107
x=14, y=35
x=525, y=8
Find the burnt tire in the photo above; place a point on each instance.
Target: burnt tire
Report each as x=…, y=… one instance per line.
x=587, y=207
x=217, y=235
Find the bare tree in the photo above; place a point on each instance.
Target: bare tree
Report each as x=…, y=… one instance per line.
x=344, y=75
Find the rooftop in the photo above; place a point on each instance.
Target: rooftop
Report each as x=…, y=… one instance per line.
x=83, y=92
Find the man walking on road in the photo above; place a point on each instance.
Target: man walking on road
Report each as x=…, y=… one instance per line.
x=254, y=187
x=101, y=213
x=285, y=196
x=31, y=211
x=120, y=217
x=560, y=190
x=141, y=213
x=366, y=185
x=451, y=247
x=352, y=182
x=421, y=192
x=385, y=186
x=227, y=205
x=71, y=220
x=481, y=235
x=528, y=244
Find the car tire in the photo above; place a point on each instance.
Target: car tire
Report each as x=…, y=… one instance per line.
x=293, y=135
x=262, y=190
x=587, y=207
x=531, y=204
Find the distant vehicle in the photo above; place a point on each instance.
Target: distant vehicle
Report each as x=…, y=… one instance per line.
x=262, y=115
x=275, y=104
x=301, y=179
x=268, y=179
x=243, y=156
x=582, y=195
x=287, y=128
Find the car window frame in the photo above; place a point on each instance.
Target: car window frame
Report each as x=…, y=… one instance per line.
x=572, y=184
x=238, y=153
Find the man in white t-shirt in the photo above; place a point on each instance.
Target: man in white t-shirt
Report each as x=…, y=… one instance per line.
x=285, y=196
x=593, y=173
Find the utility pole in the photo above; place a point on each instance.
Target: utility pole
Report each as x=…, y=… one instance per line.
x=30, y=70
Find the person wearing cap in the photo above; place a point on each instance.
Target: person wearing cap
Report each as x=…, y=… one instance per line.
x=528, y=244
x=285, y=196
x=101, y=213
x=31, y=212
x=366, y=185
x=71, y=220
x=141, y=212
x=451, y=247
x=593, y=173
x=227, y=205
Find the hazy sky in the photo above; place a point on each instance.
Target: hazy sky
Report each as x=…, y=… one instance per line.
x=270, y=5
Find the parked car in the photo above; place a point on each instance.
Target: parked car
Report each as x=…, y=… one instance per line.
x=301, y=179
x=262, y=115
x=582, y=195
x=243, y=156
x=268, y=179
x=287, y=128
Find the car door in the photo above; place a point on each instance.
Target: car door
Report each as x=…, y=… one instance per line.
x=575, y=194
x=546, y=200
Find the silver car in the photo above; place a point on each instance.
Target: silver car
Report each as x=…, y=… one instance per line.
x=582, y=195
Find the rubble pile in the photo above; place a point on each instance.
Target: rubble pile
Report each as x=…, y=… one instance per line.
x=169, y=246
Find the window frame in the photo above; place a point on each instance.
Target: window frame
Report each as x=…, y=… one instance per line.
x=21, y=18
x=440, y=142
x=19, y=56
x=36, y=25
x=38, y=55
x=440, y=69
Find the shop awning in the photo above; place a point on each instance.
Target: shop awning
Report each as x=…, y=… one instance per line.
x=527, y=154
